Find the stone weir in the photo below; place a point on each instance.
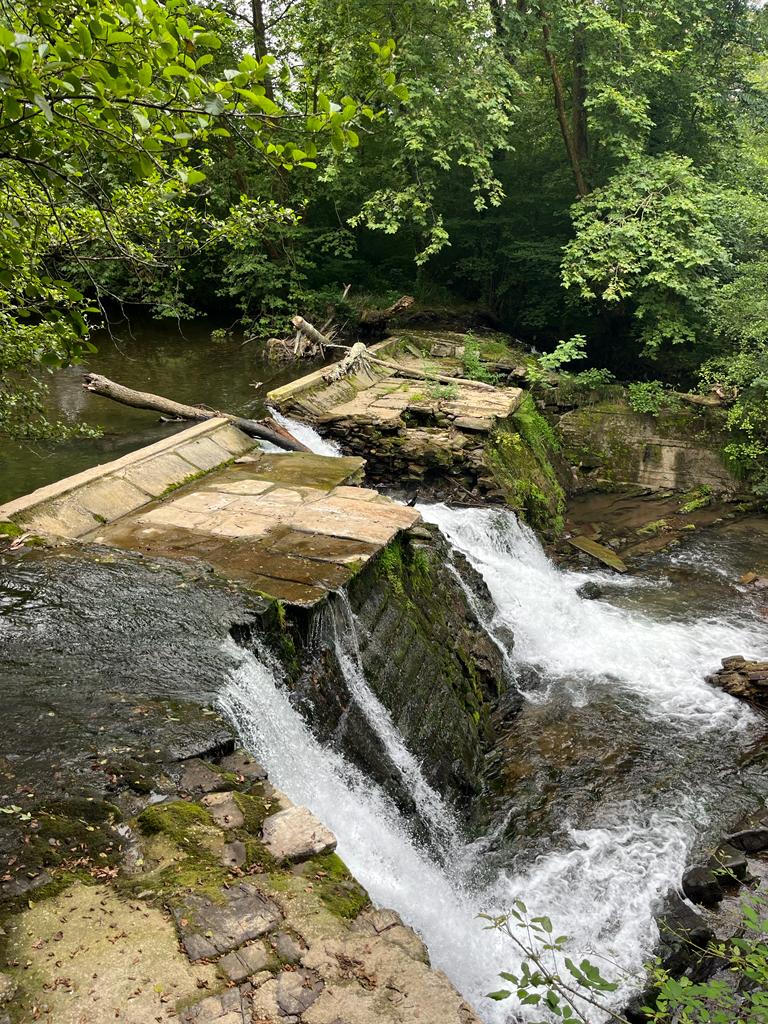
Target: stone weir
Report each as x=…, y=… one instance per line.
x=189, y=891
x=445, y=439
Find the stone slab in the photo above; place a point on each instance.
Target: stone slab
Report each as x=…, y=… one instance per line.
x=209, y=929
x=75, y=506
x=296, y=835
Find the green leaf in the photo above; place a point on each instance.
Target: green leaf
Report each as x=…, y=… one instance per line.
x=502, y=993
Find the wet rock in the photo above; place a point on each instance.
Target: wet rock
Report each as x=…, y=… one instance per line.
x=590, y=591
x=747, y=680
x=297, y=991
x=729, y=861
x=701, y=885
x=241, y=763
x=198, y=778
x=245, y=962
x=210, y=928
x=682, y=932
x=296, y=835
x=224, y=810
x=234, y=855
x=751, y=834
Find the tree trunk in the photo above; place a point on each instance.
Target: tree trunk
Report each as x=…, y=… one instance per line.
x=274, y=433
x=260, y=42
x=562, y=116
x=579, y=99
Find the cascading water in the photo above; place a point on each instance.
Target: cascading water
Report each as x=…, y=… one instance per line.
x=637, y=678
x=306, y=434
x=593, y=644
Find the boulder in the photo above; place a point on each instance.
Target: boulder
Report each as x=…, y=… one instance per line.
x=590, y=591
x=241, y=763
x=701, y=885
x=296, y=835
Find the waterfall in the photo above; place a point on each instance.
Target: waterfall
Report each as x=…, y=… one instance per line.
x=590, y=645
x=600, y=882
x=600, y=891
x=432, y=810
x=304, y=433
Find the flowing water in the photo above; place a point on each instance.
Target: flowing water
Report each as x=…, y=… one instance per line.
x=619, y=764
x=621, y=761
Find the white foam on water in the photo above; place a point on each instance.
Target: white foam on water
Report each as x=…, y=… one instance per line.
x=592, y=643
x=306, y=434
x=600, y=890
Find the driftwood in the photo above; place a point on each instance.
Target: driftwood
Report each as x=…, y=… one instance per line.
x=378, y=317
x=265, y=430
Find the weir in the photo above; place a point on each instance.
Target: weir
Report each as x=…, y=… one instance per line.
x=433, y=689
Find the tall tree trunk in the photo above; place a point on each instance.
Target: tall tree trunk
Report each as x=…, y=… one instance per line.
x=562, y=115
x=260, y=41
x=579, y=98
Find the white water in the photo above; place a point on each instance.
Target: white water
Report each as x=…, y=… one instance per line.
x=593, y=644
x=601, y=887
x=600, y=891
x=306, y=434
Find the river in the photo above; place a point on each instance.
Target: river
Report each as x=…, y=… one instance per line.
x=621, y=763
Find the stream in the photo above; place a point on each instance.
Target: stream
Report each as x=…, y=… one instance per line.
x=621, y=763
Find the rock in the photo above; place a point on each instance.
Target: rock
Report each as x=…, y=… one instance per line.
x=210, y=928
x=224, y=810
x=7, y=989
x=287, y=948
x=751, y=840
x=234, y=855
x=295, y=834
x=244, y=962
x=701, y=885
x=747, y=680
x=682, y=932
x=297, y=990
x=198, y=778
x=241, y=763
x=230, y=1007
x=590, y=591
x=730, y=861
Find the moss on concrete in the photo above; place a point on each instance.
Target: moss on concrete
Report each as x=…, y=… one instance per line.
x=520, y=453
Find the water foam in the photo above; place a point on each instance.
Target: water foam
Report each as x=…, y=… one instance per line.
x=307, y=435
x=590, y=644
x=600, y=891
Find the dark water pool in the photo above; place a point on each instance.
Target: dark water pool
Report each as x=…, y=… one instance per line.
x=178, y=360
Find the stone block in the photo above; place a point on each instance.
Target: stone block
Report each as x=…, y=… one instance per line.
x=204, y=453
x=243, y=764
x=244, y=962
x=197, y=778
x=297, y=991
x=156, y=475
x=209, y=928
x=296, y=835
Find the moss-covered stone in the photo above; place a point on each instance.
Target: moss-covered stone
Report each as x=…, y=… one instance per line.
x=521, y=453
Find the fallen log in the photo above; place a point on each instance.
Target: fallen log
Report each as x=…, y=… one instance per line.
x=379, y=317
x=274, y=432
x=363, y=355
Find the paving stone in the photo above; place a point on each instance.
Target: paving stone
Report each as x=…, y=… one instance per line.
x=241, y=486
x=295, y=834
x=203, y=501
x=210, y=928
x=197, y=778
x=224, y=809
x=111, y=497
x=244, y=962
x=297, y=990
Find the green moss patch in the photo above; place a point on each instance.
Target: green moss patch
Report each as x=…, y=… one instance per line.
x=338, y=890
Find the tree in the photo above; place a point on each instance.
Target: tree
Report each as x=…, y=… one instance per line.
x=108, y=113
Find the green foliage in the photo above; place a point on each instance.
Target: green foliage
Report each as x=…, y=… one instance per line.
x=472, y=365
x=647, y=396
x=549, y=979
